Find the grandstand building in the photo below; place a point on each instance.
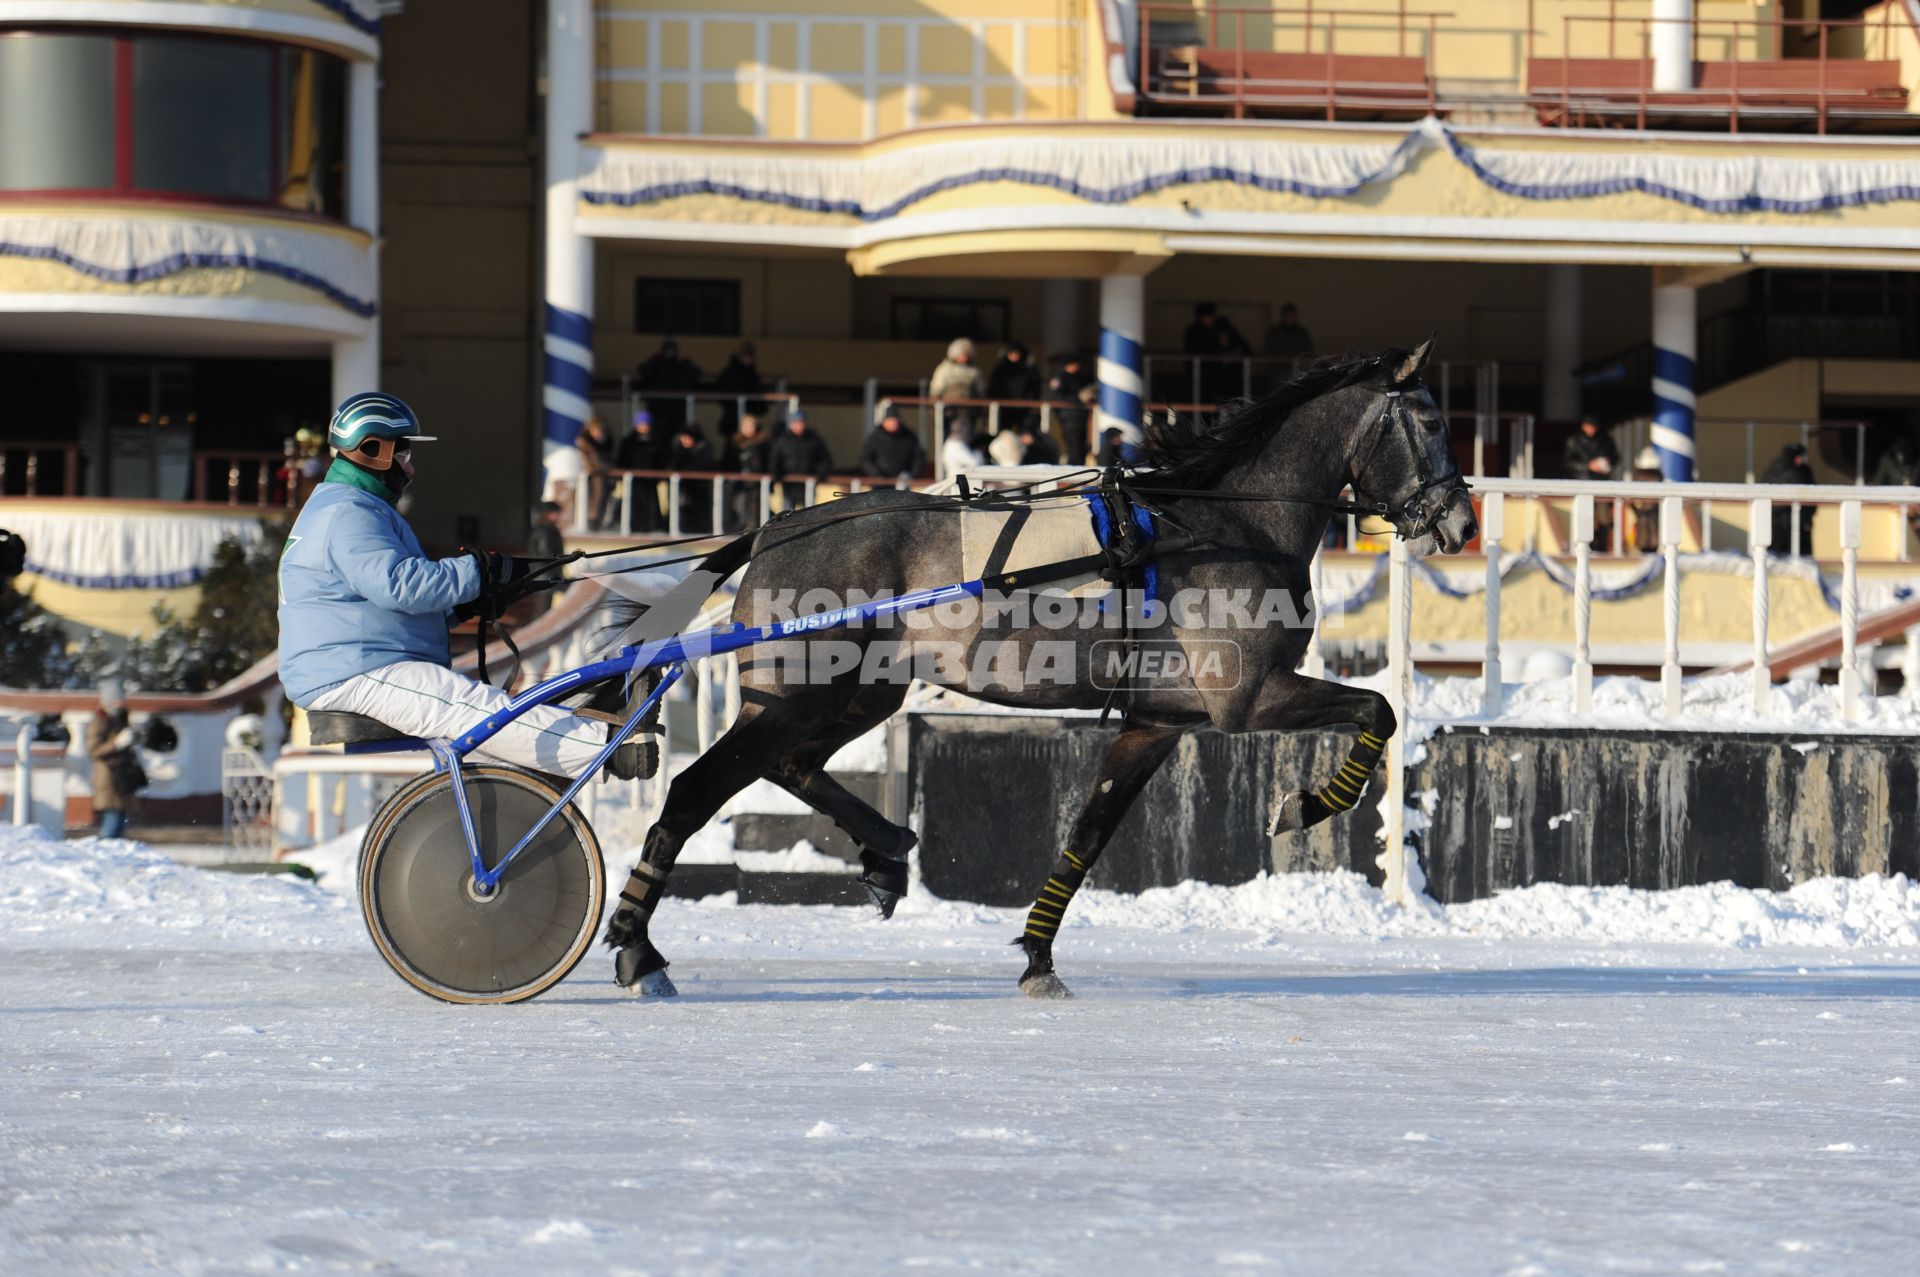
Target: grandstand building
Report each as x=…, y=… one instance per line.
x=1679, y=216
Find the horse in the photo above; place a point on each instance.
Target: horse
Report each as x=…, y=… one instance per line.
x=1251, y=494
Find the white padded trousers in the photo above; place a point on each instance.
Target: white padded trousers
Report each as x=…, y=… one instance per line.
x=430, y=701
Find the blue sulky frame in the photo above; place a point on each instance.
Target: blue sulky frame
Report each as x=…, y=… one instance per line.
x=672, y=653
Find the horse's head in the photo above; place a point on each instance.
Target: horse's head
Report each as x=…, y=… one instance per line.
x=1402, y=461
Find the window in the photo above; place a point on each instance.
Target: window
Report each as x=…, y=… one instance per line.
x=149, y=115
x=56, y=112
x=687, y=307
x=944, y=318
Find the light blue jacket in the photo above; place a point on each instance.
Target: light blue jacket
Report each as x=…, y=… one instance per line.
x=356, y=592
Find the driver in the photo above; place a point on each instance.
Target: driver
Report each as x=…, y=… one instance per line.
x=364, y=613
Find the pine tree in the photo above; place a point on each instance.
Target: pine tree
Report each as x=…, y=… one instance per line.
x=33, y=643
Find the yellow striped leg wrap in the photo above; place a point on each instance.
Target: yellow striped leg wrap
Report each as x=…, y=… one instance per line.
x=1344, y=790
x=1051, y=905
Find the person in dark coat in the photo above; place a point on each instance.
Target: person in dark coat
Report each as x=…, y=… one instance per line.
x=1590, y=453
x=745, y=453
x=1217, y=343
x=644, y=449
x=1289, y=339
x=1067, y=390
x=741, y=376
x=664, y=380
x=691, y=451
x=797, y=455
x=1039, y=449
x=547, y=542
x=891, y=450
x=1014, y=377
x=1791, y=466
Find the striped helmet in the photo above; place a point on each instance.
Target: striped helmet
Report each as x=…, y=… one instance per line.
x=370, y=425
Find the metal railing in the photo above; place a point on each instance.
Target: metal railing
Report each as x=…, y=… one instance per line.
x=244, y=478
x=1727, y=99
x=633, y=398
x=1251, y=79
x=732, y=499
x=25, y=461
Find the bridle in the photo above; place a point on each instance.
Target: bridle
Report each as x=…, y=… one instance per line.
x=1420, y=513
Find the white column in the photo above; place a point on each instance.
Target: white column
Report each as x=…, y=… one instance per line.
x=356, y=360
x=1673, y=398
x=1123, y=354
x=1559, y=391
x=1671, y=524
x=566, y=396
x=1672, y=41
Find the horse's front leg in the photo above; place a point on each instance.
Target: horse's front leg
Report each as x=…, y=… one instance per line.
x=1130, y=762
x=1290, y=702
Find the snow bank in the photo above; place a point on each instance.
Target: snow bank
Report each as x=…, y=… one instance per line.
x=1836, y=913
x=114, y=894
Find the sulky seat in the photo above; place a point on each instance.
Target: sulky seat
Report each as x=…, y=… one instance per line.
x=337, y=727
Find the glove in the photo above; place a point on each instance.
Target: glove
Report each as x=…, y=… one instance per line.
x=495, y=571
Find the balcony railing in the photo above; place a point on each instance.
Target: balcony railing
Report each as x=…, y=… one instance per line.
x=1821, y=85
x=39, y=468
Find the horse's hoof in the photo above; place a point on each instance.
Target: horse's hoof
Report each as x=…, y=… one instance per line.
x=1291, y=816
x=1045, y=986
x=640, y=970
x=654, y=984
x=885, y=879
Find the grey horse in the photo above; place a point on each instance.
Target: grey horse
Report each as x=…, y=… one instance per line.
x=1249, y=496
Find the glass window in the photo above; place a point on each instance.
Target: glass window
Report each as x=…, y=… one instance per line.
x=201, y=122
x=687, y=307
x=313, y=127
x=56, y=112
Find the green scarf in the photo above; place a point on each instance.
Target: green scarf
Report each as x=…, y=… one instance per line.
x=344, y=471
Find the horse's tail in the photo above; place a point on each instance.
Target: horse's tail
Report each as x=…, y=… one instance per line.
x=620, y=611
x=731, y=557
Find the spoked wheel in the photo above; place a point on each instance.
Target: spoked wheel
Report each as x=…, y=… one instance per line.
x=427, y=915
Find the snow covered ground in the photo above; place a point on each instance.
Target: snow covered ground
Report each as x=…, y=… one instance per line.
x=208, y=1073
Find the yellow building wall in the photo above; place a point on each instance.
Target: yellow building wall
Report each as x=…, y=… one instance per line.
x=802, y=70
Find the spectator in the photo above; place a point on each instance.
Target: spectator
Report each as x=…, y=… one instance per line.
x=745, y=453
x=798, y=452
x=1069, y=389
x=1217, y=344
x=1014, y=377
x=1591, y=454
x=117, y=774
x=1038, y=449
x=1113, y=448
x=664, y=380
x=596, y=449
x=890, y=450
x=1791, y=466
x=691, y=451
x=956, y=379
x=643, y=449
x=957, y=452
x=1006, y=449
x=1646, y=513
x=741, y=376
x=546, y=542
x=1898, y=466
x=1289, y=339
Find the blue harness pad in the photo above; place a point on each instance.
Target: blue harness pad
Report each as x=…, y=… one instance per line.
x=1103, y=532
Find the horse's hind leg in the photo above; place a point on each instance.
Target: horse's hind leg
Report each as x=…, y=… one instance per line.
x=747, y=751
x=802, y=772
x=1130, y=762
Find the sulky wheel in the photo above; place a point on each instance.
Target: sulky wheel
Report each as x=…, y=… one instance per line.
x=432, y=925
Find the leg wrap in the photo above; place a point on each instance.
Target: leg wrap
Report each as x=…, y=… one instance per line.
x=1344, y=790
x=1043, y=920
x=645, y=885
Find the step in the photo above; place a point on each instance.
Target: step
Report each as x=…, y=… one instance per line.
x=779, y=831
x=692, y=882
x=801, y=889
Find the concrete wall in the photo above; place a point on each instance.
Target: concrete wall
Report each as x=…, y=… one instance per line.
x=995, y=798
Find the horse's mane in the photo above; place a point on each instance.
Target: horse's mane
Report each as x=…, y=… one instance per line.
x=1184, y=457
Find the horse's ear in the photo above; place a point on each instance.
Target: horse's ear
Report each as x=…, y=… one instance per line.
x=1410, y=366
